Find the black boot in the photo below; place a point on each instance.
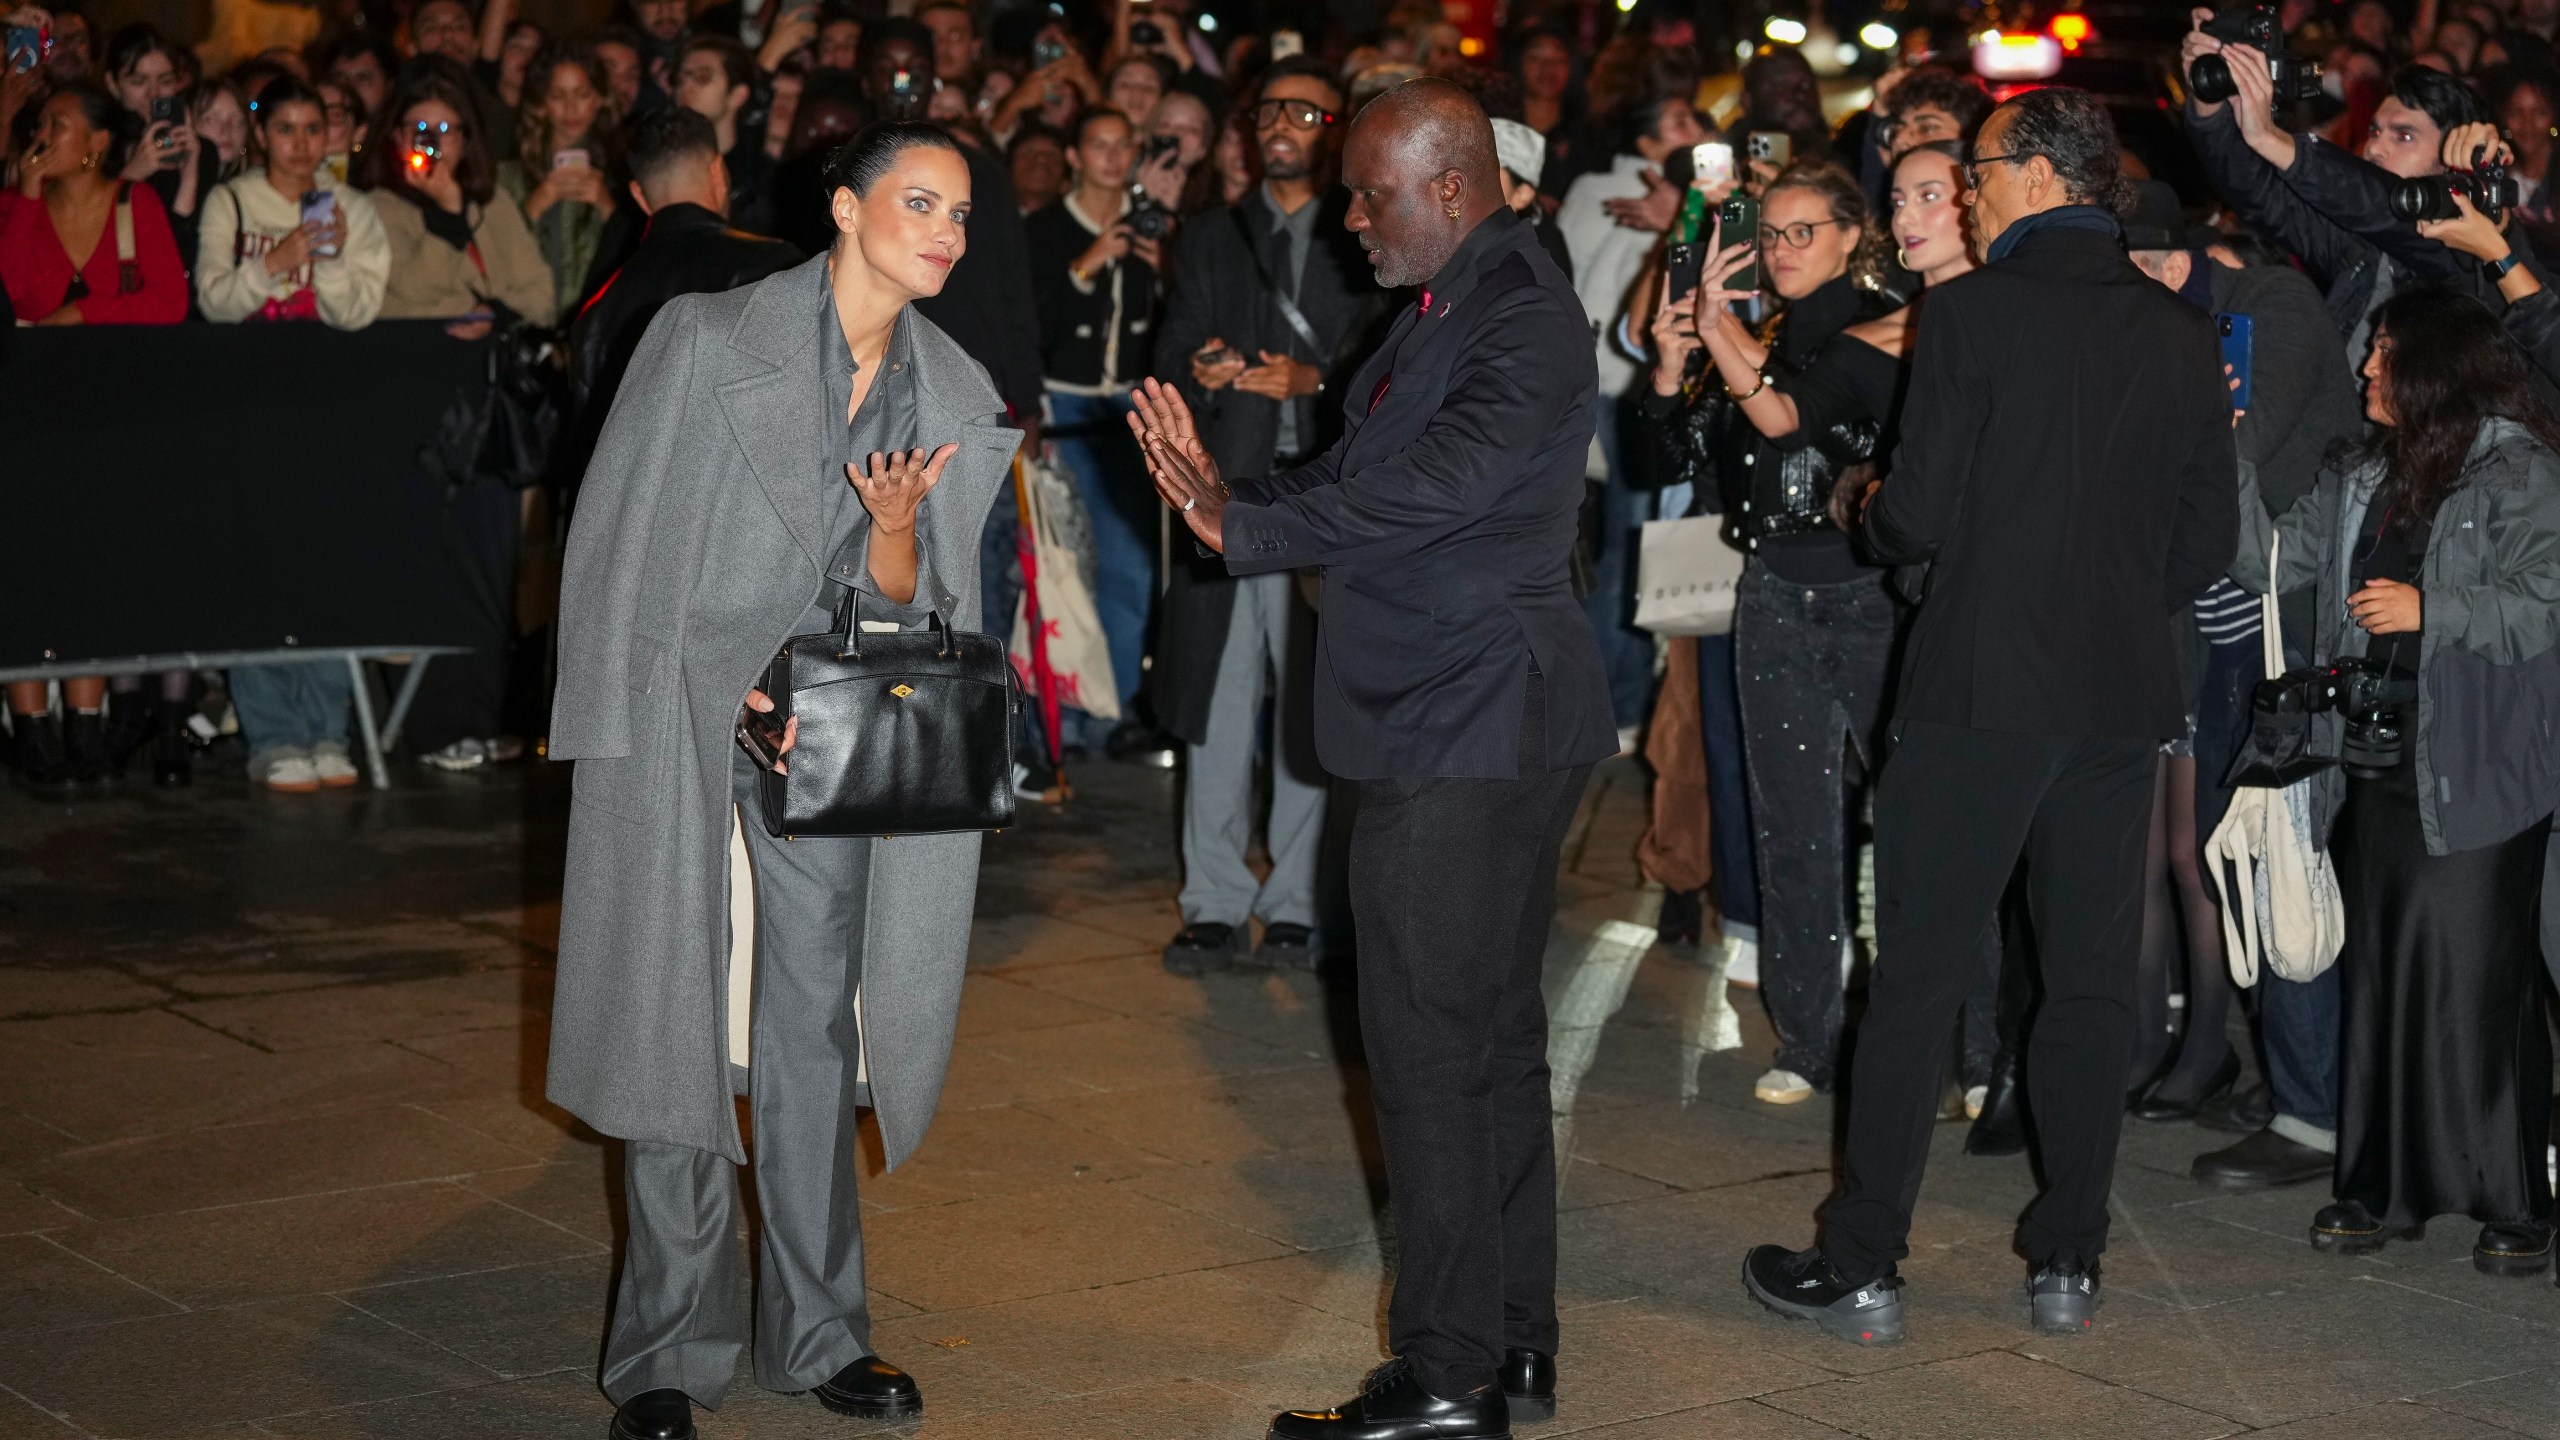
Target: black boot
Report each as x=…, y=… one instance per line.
x=84, y=746
x=2347, y=1228
x=42, y=765
x=130, y=722
x=2001, y=1128
x=2262, y=1162
x=173, y=761
x=2512, y=1247
x=2153, y=1103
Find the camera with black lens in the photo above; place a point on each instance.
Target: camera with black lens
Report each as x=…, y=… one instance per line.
x=1147, y=219
x=2487, y=185
x=2366, y=695
x=2256, y=26
x=1146, y=34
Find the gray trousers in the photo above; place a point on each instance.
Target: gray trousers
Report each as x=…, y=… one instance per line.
x=680, y=1313
x=1270, y=652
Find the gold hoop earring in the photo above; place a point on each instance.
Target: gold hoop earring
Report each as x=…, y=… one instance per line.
x=1902, y=257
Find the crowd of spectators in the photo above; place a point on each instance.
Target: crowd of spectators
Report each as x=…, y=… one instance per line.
x=1154, y=198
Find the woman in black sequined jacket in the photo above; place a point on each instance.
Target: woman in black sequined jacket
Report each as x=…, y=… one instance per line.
x=1767, y=429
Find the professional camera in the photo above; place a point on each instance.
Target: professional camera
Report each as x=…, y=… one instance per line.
x=1147, y=219
x=2257, y=27
x=2487, y=185
x=2365, y=692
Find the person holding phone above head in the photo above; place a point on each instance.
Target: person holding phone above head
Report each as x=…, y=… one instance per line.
x=771, y=449
x=1815, y=626
x=567, y=173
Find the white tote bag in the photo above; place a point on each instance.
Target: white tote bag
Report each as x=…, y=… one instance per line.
x=1685, y=576
x=2281, y=909
x=1079, y=656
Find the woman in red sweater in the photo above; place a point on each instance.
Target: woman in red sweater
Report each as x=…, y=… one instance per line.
x=66, y=207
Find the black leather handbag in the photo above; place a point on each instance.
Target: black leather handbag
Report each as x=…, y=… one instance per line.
x=900, y=734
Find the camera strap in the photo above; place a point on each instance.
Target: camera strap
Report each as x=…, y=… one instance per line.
x=128, y=266
x=1288, y=306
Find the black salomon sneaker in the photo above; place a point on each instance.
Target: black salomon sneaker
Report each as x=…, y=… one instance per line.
x=2063, y=1297
x=1802, y=1285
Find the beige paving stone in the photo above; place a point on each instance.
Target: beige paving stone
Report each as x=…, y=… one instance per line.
x=992, y=1003
x=266, y=1249
x=1027, y=941
x=1999, y=1393
x=1123, y=1053
x=1734, y=1420
x=495, y=999
x=1310, y=1199
x=2527, y=1402
x=184, y=1375
x=1229, y=1118
x=22, y=1209
x=542, y=1408
x=46, y=1287
x=1008, y=1247
x=105, y=1092
x=195, y=1169
x=514, y=1320
x=2390, y=1420
x=969, y=1154
x=34, y=993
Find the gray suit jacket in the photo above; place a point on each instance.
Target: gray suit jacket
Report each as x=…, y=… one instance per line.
x=697, y=546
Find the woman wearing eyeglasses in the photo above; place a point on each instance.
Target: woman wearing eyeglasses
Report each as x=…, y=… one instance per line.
x=1777, y=424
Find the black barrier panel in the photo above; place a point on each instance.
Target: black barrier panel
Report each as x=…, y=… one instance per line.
x=232, y=487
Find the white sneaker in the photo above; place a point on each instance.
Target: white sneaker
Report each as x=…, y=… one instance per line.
x=460, y=755
x=1741, y=961
x=329, y=763
x=289, y=772
x=1974, y=1095
x=1782, y=1087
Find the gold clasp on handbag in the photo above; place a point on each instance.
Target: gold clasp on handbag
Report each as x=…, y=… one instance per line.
x=902, y=691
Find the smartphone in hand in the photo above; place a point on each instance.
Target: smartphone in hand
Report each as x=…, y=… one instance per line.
x=2237, y=334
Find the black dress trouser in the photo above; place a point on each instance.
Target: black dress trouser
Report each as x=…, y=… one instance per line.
x=1955, y=809
x=1453, y=889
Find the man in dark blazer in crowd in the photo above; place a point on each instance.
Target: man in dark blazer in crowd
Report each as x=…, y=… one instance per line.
x=2066, y=469
x=682, y=184
x=1458, y=687
x=1245, y=280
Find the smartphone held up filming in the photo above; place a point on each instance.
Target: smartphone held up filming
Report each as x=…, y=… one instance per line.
x=1711, y=165
x=2236, y=332
x=320, y=208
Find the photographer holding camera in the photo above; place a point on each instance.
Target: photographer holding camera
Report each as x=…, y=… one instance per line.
x=2532, y=315
x=1095, y=256
x=2439, y=540
x=2350, y=220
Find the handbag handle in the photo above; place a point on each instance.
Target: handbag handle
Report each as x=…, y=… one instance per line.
x=849, y=626
x=2270, y=615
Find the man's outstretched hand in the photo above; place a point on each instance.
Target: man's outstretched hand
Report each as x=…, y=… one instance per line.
x=1184, y=474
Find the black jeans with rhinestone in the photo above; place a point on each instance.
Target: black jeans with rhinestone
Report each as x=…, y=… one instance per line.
x=1815, y=664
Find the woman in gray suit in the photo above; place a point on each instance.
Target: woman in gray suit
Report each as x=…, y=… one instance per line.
x=770, y=448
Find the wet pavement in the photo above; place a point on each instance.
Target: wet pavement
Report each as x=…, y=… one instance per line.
x=274, y=1162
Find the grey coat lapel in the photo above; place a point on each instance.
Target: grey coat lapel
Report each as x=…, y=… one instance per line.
x=780, y=417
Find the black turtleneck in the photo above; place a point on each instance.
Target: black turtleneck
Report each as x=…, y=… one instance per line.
x=1834, y=380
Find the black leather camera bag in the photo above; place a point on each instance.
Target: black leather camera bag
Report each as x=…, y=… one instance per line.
x=900, y=734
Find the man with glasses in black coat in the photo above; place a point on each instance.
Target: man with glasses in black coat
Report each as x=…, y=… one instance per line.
x=2066, y=470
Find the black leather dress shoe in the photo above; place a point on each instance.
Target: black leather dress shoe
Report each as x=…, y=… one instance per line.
x=1204, y=946
x=873, y=1389
x=2153, y=1106
x=1394, y=1406
x=2512, y=1247
x=2347, y=1228
x=2245, y=1111
x=2001, y=1128
x=2262, y=1162
x=654, y=1415
x=1529, y=1384
x=1286, y=946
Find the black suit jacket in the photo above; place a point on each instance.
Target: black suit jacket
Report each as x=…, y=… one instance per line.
x=1217, y=290
x=2067, y=466
x=686, y=250
x=1445, y=518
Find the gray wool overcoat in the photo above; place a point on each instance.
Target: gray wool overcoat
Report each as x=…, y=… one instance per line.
x=698, y=544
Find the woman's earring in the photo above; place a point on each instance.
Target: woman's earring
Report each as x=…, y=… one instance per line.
x=89, y=161
x=1902, y=257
